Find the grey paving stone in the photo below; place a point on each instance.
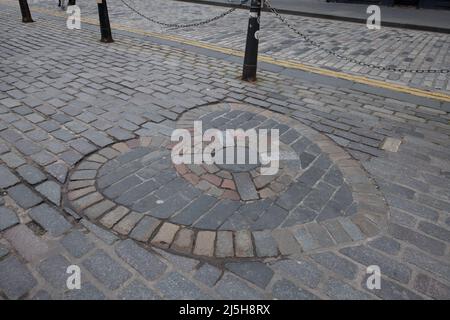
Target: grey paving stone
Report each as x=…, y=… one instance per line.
x=135, y=191
x=299, y=215
x=351, y=229
x=231, y=287
x=311, y=176
x=435, y=231
x=15, y=278
x=145, y=262
x=173, y=285
x=286, y=290
x=120, y=188
x=245, y=186
x=105, y=269
x=182, y=263
x=214, y=218
x=299, y=270
x=318, y=197
x=319, y=234
x=265, y=244
x=166, y=209
x=271, y=218
x=339, y=290
x=138, y=291
x=427, y=263
x=31, y=174
x=50, y=190
x=390, y=290
x=7, y=178
x=305, y=239
x=194, y=210
x=27, y=147
x=386, y=244
x=224, y=244
x=417, y=239
x=412, y=207
x=208, y=274
x=58, y=171
x=431, y=287
x=100, y=233
x=54, y=269
x=293, y=196
x=77, y=243
x=87, y=292
x=256, y=272
x=388, y=266
x=12, y=160
x=50, y=219
x=144, y=229
x=336, y=264
x=23, y=196
x=8, y=218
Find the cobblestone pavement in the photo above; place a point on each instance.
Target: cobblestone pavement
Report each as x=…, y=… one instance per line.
x=387, y=47
x=71, y=106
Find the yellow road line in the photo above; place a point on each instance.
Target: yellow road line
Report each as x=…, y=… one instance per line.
x=279, y=62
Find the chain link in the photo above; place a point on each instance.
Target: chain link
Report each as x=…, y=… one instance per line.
x=176, y=25
x=308, y=40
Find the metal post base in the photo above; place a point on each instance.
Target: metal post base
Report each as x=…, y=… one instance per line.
x=25, y=10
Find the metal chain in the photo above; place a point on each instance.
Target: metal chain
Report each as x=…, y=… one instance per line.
x=176, y=25
x=340, y=56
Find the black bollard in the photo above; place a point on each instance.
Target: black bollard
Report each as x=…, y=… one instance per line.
x=251, y=47
x=71, y=3
x=25, y=10
x=105, y=28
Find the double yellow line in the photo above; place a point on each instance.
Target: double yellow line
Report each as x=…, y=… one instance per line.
x=279, y=62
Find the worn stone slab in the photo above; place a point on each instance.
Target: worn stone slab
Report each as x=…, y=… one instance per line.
x=165, y=235
x=184, y=241
x=27, y=244
x=204, y=243
x=97, y=210
x=112, y=217
x=243, y=244
x=127, y=224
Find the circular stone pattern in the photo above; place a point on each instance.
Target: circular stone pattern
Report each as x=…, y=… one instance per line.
x=320, y=197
